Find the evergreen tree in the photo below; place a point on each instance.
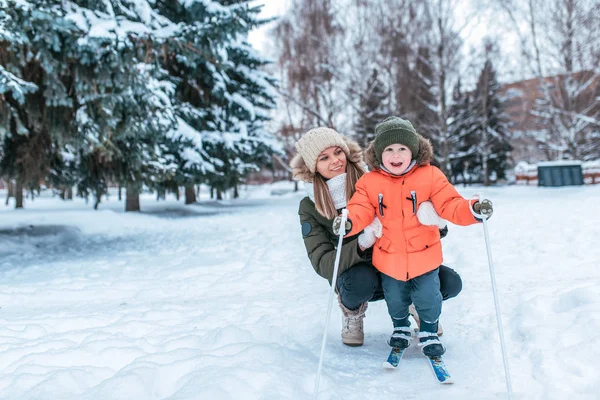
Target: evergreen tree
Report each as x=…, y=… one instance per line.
x=425, y=97
x=462, y=137
x=121, y=99
x=221, y=97
x=99, y=112
x=35, y=79
x=427, y=121
x=491, y=129
x=372, y=109
x=250, y=95
x=142, y=94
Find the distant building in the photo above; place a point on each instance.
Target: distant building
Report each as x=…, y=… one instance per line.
x=528, y=128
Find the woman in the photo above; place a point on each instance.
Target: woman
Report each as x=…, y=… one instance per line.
x=330, y=165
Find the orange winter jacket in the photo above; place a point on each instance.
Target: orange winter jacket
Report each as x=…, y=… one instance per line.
x=406, y=248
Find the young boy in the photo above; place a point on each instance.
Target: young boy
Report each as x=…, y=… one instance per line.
x=408, y=253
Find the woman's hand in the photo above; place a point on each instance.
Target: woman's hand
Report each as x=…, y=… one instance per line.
x=337, y=221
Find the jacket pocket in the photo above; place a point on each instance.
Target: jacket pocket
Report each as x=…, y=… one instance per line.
x=385, y=244
x=421, y=238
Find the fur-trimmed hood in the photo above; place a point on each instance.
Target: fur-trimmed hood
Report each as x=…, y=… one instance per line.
x=424, y=157
x=301, y=172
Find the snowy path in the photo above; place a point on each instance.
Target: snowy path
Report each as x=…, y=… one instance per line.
x=220, y=302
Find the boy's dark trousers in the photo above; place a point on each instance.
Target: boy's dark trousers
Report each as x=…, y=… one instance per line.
x=423, y=291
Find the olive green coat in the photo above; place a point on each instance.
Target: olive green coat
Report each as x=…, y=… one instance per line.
x=321, y=242
x=317, y=231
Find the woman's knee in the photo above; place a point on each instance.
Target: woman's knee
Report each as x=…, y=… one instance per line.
x=358, y=284
x=450, y=282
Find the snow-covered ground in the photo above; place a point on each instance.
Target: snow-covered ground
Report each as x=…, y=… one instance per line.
x=219, y=301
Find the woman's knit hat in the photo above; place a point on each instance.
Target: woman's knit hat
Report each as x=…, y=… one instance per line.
x=313, y=142
x=394, y=130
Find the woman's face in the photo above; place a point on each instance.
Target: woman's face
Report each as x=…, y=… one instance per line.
x=331, y=162
x=396, y=158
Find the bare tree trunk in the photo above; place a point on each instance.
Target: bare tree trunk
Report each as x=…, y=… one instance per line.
x=445, y=150
x=219, y=194
x=120, y=196
x=236, y=194
x=19, y=194
x=70, y=193
x=10, y=190
x=132, y=199
x=190, y=194
x=212, y=192
x=567, y=49
x=486, y=137
x=63, y=193
x=295, y=186
x=197, y=190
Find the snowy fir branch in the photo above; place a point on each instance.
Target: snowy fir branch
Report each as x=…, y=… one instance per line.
x=141, y=94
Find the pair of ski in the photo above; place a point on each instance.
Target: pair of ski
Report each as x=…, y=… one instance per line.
x=437, y=365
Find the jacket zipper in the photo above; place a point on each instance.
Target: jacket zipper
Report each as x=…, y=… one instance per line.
x=381, y=205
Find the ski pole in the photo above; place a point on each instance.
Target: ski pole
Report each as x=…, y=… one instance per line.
x=336, y=266
x=496, y=303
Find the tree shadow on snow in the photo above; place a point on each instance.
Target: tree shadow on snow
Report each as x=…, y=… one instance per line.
x=203, y=209
x=175, y=212
x=39, y=230
x=27, y=245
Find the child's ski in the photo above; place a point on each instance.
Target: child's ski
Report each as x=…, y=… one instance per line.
x=438, y=366
x=439, y=369
x=394, y=358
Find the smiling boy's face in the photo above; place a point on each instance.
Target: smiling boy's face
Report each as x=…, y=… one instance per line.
x=396, y=158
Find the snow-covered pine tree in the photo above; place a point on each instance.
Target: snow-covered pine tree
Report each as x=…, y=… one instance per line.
x=221, y=97
x=373, y=108
x=36, y=45
x=123, y=107
x=193, y=57
x=250, y=95
x=100, y=109
x=492, y=133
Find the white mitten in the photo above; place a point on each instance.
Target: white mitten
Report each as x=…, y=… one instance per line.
x=376, y=225
x=428, y=216
x=370, y=234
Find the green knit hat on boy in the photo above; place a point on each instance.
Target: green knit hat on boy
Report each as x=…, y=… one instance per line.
x=394, y=130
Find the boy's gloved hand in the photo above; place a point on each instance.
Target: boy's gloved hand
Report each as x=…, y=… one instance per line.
x=337, y=221
x=370, y=234
x=483, y=207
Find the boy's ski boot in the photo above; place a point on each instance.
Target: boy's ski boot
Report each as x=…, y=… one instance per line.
x=401, y=337
x=430, y=344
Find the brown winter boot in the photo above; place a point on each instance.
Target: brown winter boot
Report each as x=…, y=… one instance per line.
x=352, y=329
x=413, y=311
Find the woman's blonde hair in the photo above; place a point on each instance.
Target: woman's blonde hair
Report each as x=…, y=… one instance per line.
x=323, y=201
